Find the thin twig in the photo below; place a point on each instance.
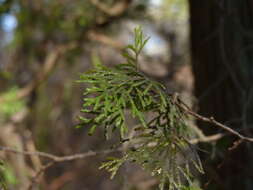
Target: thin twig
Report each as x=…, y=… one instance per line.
x=54, y=159
x=36, y=177
x=210, y=120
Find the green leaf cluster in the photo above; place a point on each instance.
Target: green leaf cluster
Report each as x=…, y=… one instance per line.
x=6, y=176
x=159, y=144
x=10, y=104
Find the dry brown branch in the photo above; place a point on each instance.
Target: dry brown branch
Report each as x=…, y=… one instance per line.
x=48, y=66
x=206, y=139
x=95, y=36
x=57, y=159
x=50, y=62
x=30, y=145
x=117, y=9
x=36, y=177
x=10, y=137
x=210, y=120
x=53, y=159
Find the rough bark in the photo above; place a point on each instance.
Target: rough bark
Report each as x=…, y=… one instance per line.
x=221, y=46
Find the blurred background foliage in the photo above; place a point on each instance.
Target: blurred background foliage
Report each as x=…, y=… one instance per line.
x=46, y=45
x=11, y=105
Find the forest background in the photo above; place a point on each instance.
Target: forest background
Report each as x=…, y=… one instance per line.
x=198, y=48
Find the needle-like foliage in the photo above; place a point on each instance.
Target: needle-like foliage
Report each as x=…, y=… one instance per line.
x=159, y=144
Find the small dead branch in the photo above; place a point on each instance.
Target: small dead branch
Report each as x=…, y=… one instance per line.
x=50, y=62
x=53, y=159
x=99, y=37
x=113, y=11
x=210, y=120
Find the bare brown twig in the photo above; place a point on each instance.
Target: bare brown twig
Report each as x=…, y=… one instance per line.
x=50, y=62
x=57, y=159
x=36, y=177
x=117, y=9
x=210, y=120
x=95, y=36
x=53, y=159
x=206, y=139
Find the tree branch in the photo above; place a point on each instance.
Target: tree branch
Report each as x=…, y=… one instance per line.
x=117, y=9
x=181, y=105
x=54, y=159
x=206, y=139
x=210, y=120
x=50, y=62
x=41, y=171
x=99, y=37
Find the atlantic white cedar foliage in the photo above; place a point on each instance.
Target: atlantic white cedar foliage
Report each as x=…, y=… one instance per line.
x=159, y=145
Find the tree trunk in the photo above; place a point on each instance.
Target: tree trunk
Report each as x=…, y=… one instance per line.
x=222, y=55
